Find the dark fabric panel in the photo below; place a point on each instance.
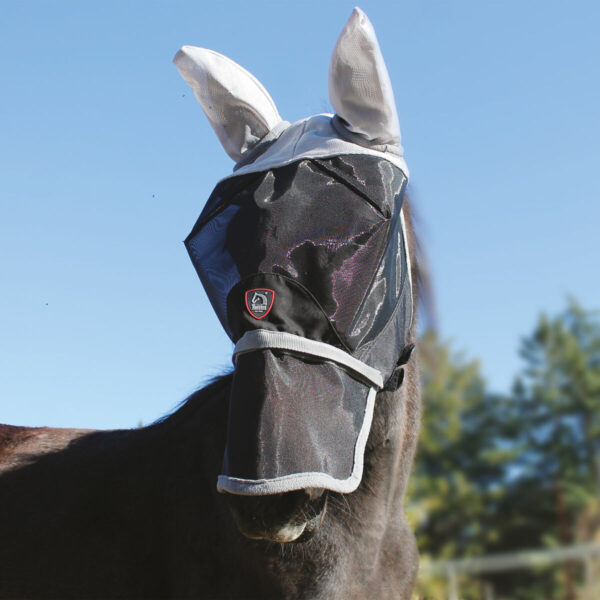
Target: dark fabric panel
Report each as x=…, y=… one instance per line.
x=295, y=310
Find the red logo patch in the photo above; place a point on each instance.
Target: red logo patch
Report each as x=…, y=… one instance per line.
x=259, y=302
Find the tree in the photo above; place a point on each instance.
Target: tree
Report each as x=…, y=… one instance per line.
x=559, y=393
x=501, y=474
x=556, y=488
x=461, y=461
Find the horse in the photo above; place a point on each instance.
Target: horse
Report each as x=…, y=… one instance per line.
x=136, y=513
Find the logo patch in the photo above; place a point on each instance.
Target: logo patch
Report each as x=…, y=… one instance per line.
x=259, y=302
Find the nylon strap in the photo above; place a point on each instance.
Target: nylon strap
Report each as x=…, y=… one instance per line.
x=261, y=339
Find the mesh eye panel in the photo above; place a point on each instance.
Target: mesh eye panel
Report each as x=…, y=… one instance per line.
x=323, y=223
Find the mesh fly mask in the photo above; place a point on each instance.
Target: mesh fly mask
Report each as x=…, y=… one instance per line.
x=303, y=255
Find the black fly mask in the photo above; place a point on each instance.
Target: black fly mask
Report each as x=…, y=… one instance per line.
x=303, y=254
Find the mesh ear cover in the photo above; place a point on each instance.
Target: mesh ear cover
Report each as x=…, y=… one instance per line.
x=360, y=88
x=237, y=106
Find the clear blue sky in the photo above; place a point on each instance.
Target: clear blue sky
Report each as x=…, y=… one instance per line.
x=106, y=160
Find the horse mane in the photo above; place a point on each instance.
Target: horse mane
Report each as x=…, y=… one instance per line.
x=185, y=410
x=421, y=279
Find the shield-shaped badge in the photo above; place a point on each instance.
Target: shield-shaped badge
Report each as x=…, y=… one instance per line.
x=259, y=302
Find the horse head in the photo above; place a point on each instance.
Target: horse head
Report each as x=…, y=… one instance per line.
x=303, y=254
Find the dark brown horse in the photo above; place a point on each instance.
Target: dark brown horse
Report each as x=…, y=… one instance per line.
x=136, y=513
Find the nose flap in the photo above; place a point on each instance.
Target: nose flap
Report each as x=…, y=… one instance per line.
x=294, y=423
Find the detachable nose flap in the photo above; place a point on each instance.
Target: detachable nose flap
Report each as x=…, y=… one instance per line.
x=294, y=423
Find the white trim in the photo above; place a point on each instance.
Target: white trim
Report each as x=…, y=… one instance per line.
x=300, y=481
x=260, y=339
x=408, y=264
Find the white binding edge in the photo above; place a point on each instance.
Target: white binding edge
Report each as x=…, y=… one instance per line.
x=408, y=264
x=260, y=339
x=299, y=481
x=274, y=163
x=321, y=149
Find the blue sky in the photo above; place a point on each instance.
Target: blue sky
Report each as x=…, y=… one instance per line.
x=106, y=160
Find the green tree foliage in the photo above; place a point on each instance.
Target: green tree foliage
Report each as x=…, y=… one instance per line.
x=500, y=474
x=554, y=495
x=461, y=463
x=559, y=397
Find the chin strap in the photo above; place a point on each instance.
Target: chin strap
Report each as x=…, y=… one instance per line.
x=397, y=376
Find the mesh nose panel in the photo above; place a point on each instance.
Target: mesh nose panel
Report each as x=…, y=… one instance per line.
x=293, y=417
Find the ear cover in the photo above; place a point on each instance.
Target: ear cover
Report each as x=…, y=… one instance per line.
x=238, y=107
x=360, y=89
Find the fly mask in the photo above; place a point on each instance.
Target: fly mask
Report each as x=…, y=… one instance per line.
x=304, y=257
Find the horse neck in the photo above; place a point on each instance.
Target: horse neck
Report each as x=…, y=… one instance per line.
x=391, y=447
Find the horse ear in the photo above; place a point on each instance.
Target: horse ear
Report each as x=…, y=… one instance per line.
x=238, y=107
x=360, y=89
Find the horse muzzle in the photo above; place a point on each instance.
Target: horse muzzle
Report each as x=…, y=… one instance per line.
x=289, y=517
